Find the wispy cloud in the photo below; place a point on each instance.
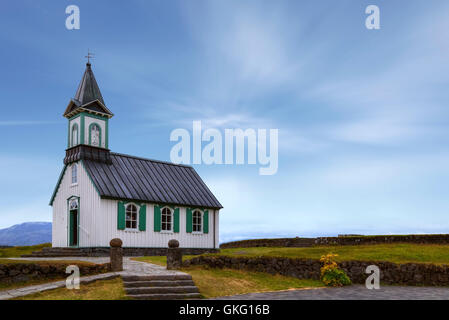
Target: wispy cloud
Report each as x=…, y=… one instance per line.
x=27, y=123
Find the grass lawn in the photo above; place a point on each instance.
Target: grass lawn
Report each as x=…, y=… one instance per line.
x=18, y=251
x=397, y=253
x=99, y=290
x=223, y=282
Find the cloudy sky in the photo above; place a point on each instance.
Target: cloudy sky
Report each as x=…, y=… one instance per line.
x=362, y=114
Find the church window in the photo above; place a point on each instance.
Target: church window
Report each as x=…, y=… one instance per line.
x=167, y=220
x=74, y=174
x=95, y=135
x=197, y=221
x=131, y=216
x=74, y=135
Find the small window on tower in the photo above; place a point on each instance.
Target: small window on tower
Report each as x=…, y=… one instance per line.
x=74, y=135
x=95, y=135
x=74, y=174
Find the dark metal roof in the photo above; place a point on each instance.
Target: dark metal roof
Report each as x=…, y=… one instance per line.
x=88, y=89
x=145, y=180
x=88, y=95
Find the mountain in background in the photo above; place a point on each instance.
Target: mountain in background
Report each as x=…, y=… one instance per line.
x=26, y=234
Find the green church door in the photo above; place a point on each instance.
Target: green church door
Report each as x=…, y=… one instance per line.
x=73, y=228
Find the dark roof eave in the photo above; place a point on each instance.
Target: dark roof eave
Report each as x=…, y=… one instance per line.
x=160, y=203
x=84, y=109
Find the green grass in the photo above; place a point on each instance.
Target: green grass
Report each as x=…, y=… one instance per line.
x=18, y=251
x=98, y=290
x=223, y=282
x=159, y=260
x=397, y=253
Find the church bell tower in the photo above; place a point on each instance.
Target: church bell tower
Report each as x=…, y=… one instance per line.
x=88, y=117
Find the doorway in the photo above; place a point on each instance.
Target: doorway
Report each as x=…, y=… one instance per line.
x=73, y=228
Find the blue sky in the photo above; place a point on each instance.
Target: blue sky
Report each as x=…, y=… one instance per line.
x=362, y=114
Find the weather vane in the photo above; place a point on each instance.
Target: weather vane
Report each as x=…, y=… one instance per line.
x=89, y=56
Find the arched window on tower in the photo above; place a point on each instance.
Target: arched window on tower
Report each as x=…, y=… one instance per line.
x=95, y=135
x=74, y=135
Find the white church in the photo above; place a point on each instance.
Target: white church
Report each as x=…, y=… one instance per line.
x=101, y=195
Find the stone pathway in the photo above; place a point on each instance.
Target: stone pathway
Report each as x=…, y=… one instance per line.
x=130, y=268
x=354, y=292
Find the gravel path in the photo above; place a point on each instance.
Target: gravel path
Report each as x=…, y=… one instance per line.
x=354, y=292
x=130, y=267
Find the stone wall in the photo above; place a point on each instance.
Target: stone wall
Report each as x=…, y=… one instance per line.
x=105, y=252
x=18, y=272
x=413, y=238
x=341, y=240
x=391, y=273
x=281, y=242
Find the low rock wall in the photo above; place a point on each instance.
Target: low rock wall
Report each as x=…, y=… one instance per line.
x=18, y=272
x=390, y=273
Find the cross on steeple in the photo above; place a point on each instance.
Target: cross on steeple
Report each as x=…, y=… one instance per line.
x=89, y=56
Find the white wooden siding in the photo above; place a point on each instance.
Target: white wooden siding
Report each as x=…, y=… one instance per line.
x=148, y=238
x=98, y=220
x=89, y=203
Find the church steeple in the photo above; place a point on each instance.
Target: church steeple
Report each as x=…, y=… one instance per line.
x=88, y=89
x=88, y=97
x=88, y=118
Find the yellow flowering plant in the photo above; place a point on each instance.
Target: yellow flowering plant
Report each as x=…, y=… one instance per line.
x=331, y=274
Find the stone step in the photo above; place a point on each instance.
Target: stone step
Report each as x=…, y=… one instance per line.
x=165, y=296
x=158, y=283
x=170, y=277
x=161, y=290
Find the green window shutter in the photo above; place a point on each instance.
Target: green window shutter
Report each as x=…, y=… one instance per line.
x=120, y=215
x=206, y=221
x=143, y=218
x=157, y=218
x=189, y=220
x=176, y=220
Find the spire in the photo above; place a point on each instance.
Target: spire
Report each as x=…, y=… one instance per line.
x=88, y=96
x=88, y=89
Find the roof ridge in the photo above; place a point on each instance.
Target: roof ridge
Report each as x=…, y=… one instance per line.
x=152, y=160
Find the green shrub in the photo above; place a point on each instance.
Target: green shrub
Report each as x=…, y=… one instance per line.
x=335, y=278
x=331, y=274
